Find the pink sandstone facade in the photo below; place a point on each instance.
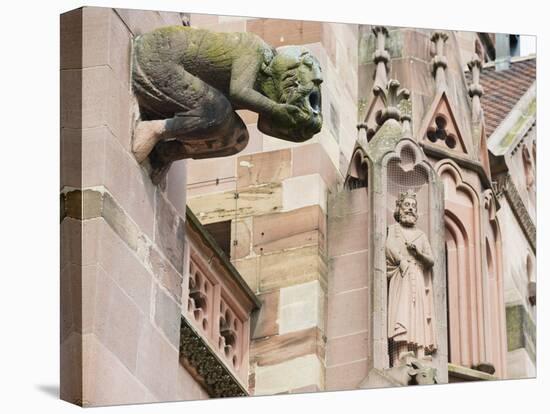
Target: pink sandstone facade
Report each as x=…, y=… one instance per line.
x=264, y=272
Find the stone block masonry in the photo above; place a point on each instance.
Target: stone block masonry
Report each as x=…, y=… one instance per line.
x=275, y=195
x=122, y=237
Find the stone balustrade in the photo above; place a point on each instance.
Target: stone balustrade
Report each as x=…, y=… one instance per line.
x=216, y=315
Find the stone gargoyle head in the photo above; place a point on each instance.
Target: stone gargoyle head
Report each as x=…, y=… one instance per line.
x=421, y=374
x=292, y=77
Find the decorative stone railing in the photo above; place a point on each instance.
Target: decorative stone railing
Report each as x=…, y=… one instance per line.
x=217, y=306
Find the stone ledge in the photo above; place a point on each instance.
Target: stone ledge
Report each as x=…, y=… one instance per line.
x=468, y=374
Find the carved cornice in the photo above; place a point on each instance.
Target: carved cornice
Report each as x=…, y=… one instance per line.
x=506, y=186
x=209, y=370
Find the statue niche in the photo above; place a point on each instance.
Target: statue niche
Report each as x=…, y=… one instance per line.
x=188, y=83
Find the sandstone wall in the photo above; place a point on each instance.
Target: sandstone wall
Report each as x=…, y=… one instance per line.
x=275, y=194
x=122, y=255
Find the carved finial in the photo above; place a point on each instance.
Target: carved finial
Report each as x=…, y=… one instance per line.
x=391, y=96
x=439, y=61
x=381, y=57
x=475, y=89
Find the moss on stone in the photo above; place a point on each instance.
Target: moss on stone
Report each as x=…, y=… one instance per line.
x=519, y=125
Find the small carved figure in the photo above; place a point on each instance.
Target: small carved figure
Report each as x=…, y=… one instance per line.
x=189, y=82
x=409, y=260
x=421, y=374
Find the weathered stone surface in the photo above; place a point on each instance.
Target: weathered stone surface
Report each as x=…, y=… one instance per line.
x=285, y=32
x=201, y=20
x=266, y=323
x=83, y=205
x=313, y=159
x=210, y=170
x=301, y=306
x=71, y=300
x=520, y=329
x=292, y=374
x=71, y=115
x=165, y=272
x=167, y=316
x=187, y=387
x=252, y=201
x=106, y=41
x=106, y=163
x=347, y=313
x=105, y=101
x=241, y=237
x=124, y=268
x=71, y=369
x=346, y=377
x=128, y=184
x=348, y=272
x=141, y=21
x=263, y=168
x=280, y=348
x=106, y=381
x=339, y=229
x=169, y=232
x=346, y=349
x=119, y=221
x=291, y=267
x=520, y=364
x=348, y=202
x=157, y=364
x=296, y=228
x=72, y=241
x=249, y=270
x=118, y=321
x=71, y=158
x=306, y=190
x=71, y=39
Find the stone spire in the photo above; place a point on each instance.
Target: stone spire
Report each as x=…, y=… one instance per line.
x=381, y=57
x=475, y=90
x=439, y=61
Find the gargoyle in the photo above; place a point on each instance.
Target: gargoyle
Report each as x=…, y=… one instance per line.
x=421, y=374
x=188, y=83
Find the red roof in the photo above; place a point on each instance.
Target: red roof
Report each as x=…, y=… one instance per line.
x=503, y=89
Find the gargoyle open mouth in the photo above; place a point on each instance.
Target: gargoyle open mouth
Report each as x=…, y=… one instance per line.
x=314, y=100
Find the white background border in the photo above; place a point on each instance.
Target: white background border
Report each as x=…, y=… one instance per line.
x=29, y=284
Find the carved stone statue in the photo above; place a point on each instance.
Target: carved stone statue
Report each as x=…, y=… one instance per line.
x=409, y=260
x=189, y=82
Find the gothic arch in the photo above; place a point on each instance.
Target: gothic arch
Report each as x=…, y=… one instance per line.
x=468, y=338
x=357, y=176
